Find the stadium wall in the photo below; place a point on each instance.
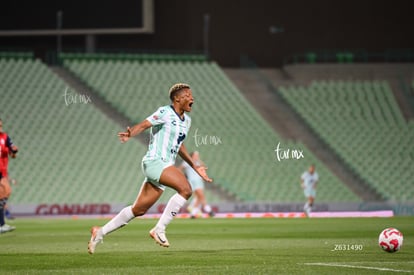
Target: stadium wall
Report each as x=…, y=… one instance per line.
x=265, y=30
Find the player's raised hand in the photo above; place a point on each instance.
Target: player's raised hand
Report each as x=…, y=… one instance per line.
x=201, y=170
x=124, y=136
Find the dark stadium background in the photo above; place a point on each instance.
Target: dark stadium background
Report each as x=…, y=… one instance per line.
x=267, y=31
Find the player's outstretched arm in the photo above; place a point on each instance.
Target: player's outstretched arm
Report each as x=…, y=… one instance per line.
x=201, y=170
x=134, y=131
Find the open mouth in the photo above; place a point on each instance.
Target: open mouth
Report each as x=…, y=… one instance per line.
x=191, y=104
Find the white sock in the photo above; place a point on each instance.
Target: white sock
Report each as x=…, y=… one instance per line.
x=172, y=208
x=119, y=220
x=207, y=208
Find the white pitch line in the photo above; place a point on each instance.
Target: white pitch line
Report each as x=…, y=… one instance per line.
x=357, y=266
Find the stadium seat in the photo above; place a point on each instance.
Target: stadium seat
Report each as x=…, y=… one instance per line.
x=361, y=122
x=63, y=148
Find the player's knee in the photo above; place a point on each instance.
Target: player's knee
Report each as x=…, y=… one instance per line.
x=186, y=192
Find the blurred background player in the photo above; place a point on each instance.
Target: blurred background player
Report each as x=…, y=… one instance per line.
x=6, y=147
x=198, y=203
x=309, y=180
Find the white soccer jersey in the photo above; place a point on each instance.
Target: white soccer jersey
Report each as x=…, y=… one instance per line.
x=309, y=180
x=168, y=131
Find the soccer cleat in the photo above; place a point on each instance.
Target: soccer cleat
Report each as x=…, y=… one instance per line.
x=96, y=237
x=6, y=228
x=159, y=237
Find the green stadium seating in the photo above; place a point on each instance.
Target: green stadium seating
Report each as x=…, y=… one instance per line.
x=68, y=153
x=362, y=123
x=244, y=161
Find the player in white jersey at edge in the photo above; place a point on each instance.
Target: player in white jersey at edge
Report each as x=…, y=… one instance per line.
x=169, y=127
x=309, y=180
x=199, y=202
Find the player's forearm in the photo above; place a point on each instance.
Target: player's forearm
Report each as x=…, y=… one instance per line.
x=136, y=130
x=139, y=128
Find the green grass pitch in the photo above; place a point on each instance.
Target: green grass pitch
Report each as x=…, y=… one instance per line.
x=209, y=246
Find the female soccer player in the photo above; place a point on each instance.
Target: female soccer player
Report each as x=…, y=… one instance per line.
x=169, y=127
x=309, y=180
x=6, y=148
x=199, y=203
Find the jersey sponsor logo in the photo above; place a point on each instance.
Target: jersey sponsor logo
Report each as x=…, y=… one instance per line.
x=180, y=138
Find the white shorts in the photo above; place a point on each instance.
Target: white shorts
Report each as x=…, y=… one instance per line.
x=309, y=192
x=152, y=170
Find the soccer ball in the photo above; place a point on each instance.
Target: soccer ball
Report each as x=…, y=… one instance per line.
x=390, y=240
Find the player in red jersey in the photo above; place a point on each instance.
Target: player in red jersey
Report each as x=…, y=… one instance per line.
x=6, y=148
